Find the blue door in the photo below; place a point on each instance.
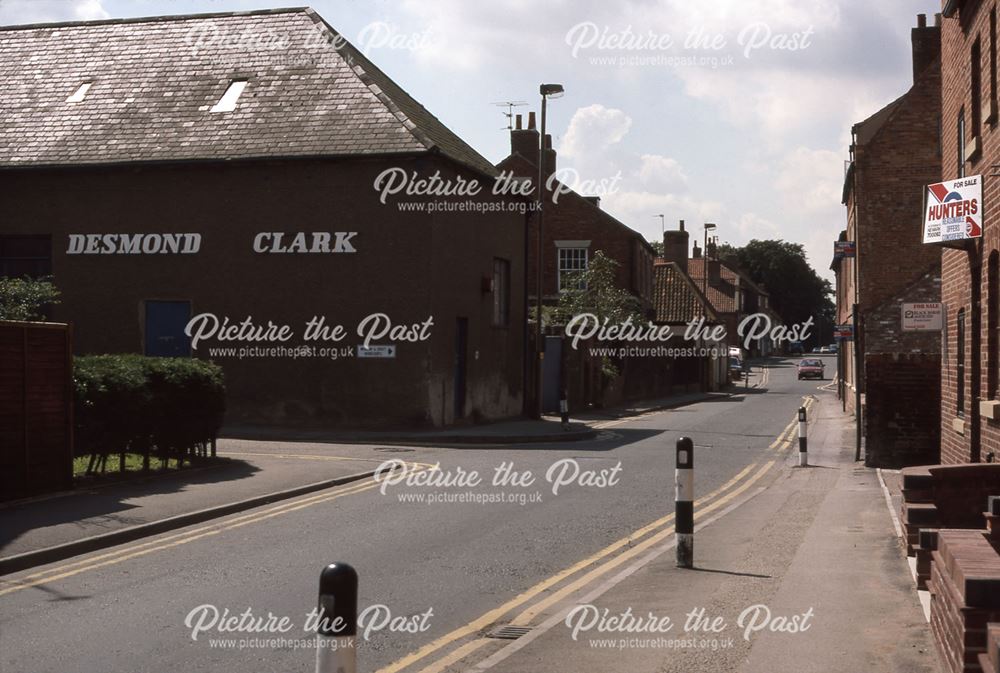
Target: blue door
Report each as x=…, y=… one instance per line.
x=165, y=323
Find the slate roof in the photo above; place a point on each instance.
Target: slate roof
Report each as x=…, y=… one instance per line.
x=676, y=298
x=309, y=93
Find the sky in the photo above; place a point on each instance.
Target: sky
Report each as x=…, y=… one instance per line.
x=736, y=112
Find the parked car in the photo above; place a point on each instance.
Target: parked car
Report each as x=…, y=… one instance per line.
x=834, y=348
x=811, y=369
x=824, y=349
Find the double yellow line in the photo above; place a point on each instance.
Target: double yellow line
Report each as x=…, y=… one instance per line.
x=606, y=560
x=66, y=570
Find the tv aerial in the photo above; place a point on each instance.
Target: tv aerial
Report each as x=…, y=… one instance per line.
x=509, y=114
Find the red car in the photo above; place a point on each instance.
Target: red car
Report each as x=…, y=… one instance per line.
x=811, y=369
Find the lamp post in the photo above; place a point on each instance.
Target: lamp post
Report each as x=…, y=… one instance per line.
x=546, y=91
x=704, y=262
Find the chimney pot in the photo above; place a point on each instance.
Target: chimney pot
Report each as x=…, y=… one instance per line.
x=937, y=20
x=517, y=122
x=531, y=120
x=682, y=225
x=926, y=44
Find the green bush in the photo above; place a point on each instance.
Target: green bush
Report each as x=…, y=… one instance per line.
x=138, y=404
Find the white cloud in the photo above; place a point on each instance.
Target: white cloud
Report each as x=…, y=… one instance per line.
x=660, y=172
x=811, y=181
x=592, y=130
x=14, y=12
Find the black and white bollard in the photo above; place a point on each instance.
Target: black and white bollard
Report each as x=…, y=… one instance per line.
x=338, y=626
x=803, y=439
x=684, y=502
x=564, y=409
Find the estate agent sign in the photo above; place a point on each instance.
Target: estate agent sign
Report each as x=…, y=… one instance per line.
x=926, y=317
x=953, y=210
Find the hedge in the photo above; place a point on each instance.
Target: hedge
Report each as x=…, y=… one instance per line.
x=136, y=404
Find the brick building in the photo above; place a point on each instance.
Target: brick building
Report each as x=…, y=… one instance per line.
x=970, y=424
x=575, y=227
x=159, y=176
x=894, y=154
x=679, y=298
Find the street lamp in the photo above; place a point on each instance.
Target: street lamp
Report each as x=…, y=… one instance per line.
x=547, y=91
x=663, y=225
x=704, y=261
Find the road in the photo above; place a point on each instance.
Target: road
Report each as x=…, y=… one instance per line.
x=452, y=569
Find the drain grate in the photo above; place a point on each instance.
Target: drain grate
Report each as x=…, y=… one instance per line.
x=393, y=449
x=509, y=632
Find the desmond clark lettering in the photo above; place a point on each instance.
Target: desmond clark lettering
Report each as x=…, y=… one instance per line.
x=133, y=244
x=272, y=242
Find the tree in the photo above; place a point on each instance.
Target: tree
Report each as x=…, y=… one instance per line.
x=26, y=298
x=797, y=292
x=594, y=291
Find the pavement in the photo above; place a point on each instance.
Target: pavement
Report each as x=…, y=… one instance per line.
x=68, y=517
x=817, y=545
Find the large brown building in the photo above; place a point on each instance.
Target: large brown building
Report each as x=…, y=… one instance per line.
x=970, y=423
x=161, y=171
x=893, y=371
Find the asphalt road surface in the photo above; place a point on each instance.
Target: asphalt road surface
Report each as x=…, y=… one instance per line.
x=457, y=565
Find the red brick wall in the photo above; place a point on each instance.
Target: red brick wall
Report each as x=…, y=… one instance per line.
x=959, y=32
x=575, y=218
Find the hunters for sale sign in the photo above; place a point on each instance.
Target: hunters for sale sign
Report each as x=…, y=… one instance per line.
x=953, y=210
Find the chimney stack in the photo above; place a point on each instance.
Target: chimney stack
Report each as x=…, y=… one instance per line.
x=675, y=247
x=525, y=141
x=696, y=253
x=926, y=42
x=549, y=157
x=712, y=264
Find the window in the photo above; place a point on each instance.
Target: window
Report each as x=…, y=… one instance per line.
x=501, y=292
x=961, y=143
x=572, y=265
x=992, y=324
x=960, y=368
x=976, y=68
x=80, y=93
x=25, y=256
x=993, y=66
x=228, y=101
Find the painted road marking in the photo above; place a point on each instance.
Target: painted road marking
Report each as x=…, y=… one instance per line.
x=495, y=614
x=66, y=570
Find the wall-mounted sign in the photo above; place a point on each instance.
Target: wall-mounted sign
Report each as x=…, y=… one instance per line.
x=279, y=242
x=953, y=210
x=926, y=317
x=133, y=244
x=377, y=351
x=843, y=332
x=842, y=249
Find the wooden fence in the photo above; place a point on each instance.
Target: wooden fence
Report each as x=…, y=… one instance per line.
x=36, y=408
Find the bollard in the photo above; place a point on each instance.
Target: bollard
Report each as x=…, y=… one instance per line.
x=338, y=603
x=684, y=502
x=564, y=409
x=803, y=439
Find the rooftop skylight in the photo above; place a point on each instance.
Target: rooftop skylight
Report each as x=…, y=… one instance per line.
x=228, y=101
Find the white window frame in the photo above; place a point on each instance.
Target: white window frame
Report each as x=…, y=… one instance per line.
x=571, y=246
